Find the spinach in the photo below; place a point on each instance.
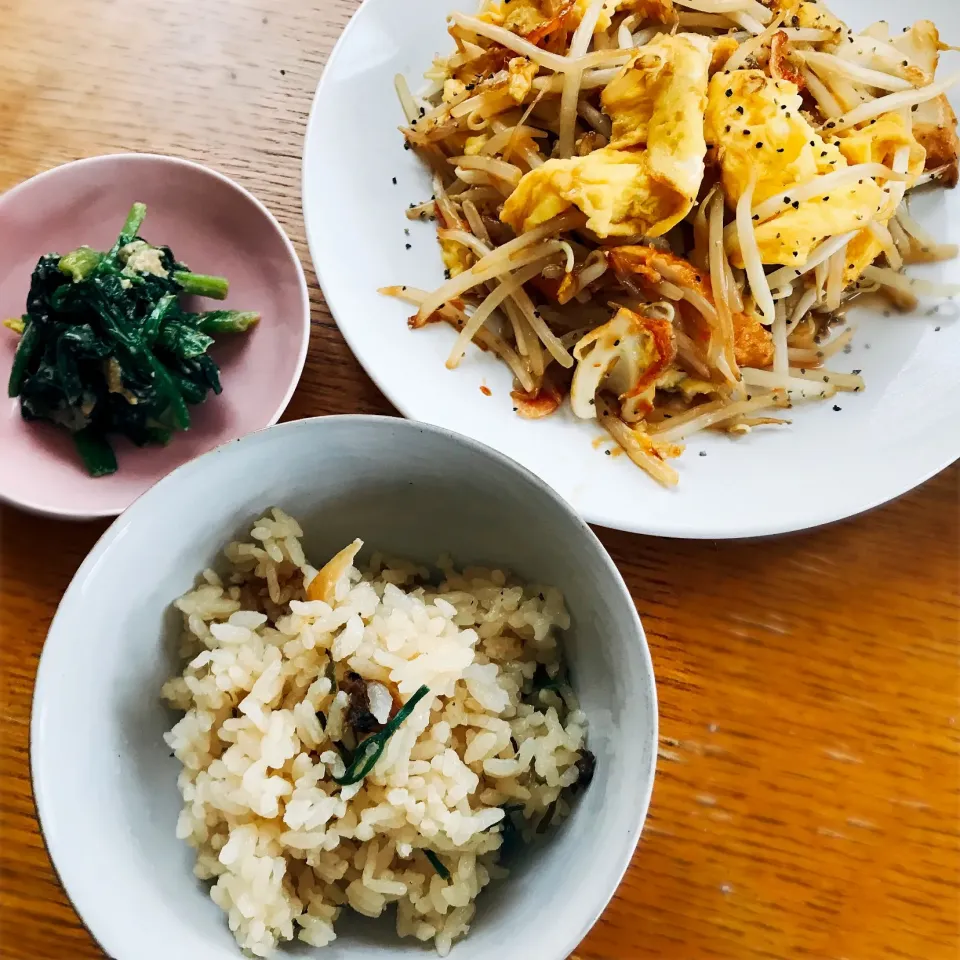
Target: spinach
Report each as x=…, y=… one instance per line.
x=106, y=347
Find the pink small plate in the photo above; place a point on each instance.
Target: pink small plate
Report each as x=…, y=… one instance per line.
x=213, y=225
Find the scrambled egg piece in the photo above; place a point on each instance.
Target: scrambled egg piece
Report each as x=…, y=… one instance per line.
x=665, y=84
x=723, y=49
x=473, y=146
x=861, y=251
x=753, y=345
x=678, y=381
x=521, y=72
x=647, y=179
x=456, y=257
x=756, y=125
x=453, y=89
x=659, y=10
x=815, y=17
x=878, y=142
x=617, y=190
x=534, y=16
x=627, y=356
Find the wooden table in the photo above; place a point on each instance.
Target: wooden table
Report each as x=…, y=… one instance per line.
x=806, y=804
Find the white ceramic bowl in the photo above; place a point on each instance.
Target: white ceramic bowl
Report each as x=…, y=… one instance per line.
x=105, y=783
x=828, y=464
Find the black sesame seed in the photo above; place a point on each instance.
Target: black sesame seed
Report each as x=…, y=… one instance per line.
x=607, y=452
x=795, y=204
x=746, y=133
x=936, y=329
x=759, y=144
x=394, y=181
x=408, y=245
x=703, y=453
x=726, y=129
x=729, y=93
x=826, y=198
x=779, y=149
x=756, y=216
x=836, y=408
x=740, y=110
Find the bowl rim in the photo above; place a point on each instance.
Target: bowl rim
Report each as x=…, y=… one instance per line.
x=66, y=512
x=85, y=901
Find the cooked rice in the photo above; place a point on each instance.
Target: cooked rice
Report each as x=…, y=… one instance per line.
x=286, y=846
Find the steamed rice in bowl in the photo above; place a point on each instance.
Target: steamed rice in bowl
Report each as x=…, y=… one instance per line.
x=357, y=737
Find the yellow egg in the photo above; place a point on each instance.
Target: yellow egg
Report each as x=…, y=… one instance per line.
x=456, y=257
x=756, y=125
x=616, y=189
x=648, y=178
x=878, y=141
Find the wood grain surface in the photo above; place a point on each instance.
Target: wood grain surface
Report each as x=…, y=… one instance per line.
x=808, y=796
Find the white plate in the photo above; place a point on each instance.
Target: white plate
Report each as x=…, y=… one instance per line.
x=828, y=465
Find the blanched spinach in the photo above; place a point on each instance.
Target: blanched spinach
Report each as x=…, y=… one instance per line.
x=107, y=348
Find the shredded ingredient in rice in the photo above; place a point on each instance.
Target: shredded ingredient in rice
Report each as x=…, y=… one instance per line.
x=359, y=738
x=738, y=169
